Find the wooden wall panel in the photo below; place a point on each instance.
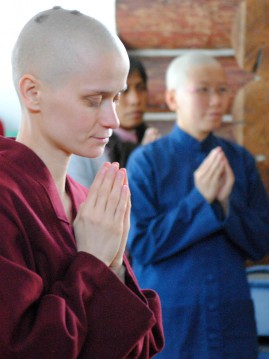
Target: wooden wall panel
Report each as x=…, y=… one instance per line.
x=251, y=107
x=250, y=40
x=249, y=35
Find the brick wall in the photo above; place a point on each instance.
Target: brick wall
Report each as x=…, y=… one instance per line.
x=175, y=23
x=178, y=25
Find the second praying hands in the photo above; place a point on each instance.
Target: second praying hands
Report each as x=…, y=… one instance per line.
x=214, y=178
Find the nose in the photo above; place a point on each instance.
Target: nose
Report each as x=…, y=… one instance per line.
x=133, y=96
x=215, y=97
x=109, y=118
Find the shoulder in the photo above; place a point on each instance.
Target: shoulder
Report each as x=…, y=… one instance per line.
x=151, y=150
x=234, y=148
x=146, y=160
x=238, y=156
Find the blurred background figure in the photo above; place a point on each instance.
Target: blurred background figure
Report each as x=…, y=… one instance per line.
x=200, y=211
x=132, y=132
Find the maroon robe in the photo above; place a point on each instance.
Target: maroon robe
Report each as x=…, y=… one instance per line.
x=54, y=301
x=2, y=130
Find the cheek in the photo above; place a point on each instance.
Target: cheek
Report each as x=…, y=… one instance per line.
x=59, y=111
x=83, y=123
x=74, y=121
x=226, y=103
x=119, y=110
x=144, y=98
x=198, y=106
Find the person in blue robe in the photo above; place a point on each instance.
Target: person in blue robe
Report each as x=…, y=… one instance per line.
x=199, y=210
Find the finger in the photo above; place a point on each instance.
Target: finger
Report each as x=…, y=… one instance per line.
x=116, y=192
x=100, y=176
x=212, y=157
x=214, y=166
x=96, y=185
x=208, y=176
x=122, y=210
x=126, y=227
x=127, y=220
x=104, y=191
x=126, y=176
x=150, y=135
x=229, y=172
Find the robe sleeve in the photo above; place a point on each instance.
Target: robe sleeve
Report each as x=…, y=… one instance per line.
x=247, y=223
x=156, y=235
x=89, y=313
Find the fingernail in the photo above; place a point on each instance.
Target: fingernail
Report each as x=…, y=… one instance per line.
x=105, y=167
x=120, y=175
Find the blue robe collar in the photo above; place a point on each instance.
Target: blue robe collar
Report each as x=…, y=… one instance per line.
x=189, y=142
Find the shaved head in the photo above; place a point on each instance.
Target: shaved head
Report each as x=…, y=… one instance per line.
x=178, y=70
x=57, y=42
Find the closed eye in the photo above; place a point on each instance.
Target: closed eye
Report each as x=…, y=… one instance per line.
x=202, y=89
x=94, y=101
x=223, y=89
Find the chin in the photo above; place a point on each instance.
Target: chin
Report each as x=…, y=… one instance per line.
x=92, y=152
x=97, y=153
x=214, y=125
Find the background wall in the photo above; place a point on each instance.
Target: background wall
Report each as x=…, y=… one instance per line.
x=159, y=30
x=234, y=31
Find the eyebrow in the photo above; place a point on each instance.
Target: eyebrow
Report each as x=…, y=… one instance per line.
x=101, y=93
x=209, y=82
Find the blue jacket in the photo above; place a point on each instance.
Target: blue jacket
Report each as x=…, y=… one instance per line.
x=186, y=250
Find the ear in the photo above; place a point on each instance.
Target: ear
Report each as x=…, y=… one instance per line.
x=29, y=92
x=171, y=101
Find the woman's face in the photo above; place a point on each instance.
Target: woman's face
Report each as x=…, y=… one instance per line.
x=133, y=102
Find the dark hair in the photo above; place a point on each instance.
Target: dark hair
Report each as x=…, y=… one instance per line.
x=137, y=66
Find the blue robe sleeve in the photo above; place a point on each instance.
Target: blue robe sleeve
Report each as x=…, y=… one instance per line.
x=247, y=223
x=157, y=234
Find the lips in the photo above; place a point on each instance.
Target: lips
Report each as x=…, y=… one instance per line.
x=215, y=114
x=103, y=136
x=102, y=140
x=135, y=114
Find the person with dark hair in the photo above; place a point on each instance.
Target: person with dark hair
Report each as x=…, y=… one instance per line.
x=132, y=132
x=67, y=291
x=199, y=211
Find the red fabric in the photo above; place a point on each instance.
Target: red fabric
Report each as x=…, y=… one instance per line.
x=55, y=302
x=126, y=136
x=2, y=131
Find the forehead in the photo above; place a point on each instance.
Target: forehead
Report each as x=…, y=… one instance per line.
x=102, y=72
x=206, y=74
x=134, y=78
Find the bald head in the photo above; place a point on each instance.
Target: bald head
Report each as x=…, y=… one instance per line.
x=57, y=42
x=178, y=71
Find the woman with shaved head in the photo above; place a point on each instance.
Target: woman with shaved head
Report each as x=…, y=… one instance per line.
x=66, y=290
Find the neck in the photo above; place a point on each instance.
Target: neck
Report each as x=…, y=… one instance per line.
x=55, y=160
x=198, y=135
